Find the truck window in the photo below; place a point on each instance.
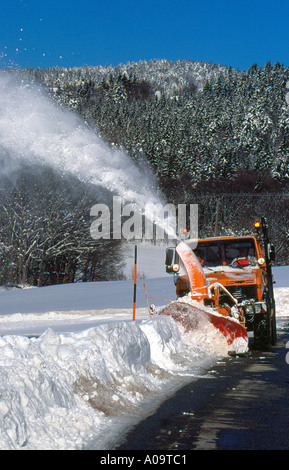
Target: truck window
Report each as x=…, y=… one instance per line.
x=239, y=249
x=223, y=252
x=209, y=254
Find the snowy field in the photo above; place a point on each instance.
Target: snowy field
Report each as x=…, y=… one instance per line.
x=77, y=373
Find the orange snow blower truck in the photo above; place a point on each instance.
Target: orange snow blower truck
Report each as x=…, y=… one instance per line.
x=232, y=275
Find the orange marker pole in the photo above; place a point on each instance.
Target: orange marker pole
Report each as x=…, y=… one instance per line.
x=135, y=277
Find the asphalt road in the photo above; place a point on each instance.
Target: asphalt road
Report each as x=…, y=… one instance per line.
x=244, y=406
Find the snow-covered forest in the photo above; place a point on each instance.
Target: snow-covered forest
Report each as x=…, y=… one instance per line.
x=189, y=119
x=45, y=235
x=212, y=135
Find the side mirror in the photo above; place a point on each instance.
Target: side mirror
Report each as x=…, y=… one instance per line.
x=172, y=261
x=271, y=252
x=169, y=256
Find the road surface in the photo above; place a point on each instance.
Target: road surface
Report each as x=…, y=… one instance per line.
x=244, y=406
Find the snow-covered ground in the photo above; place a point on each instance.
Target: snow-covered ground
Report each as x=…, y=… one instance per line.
x=76, y=371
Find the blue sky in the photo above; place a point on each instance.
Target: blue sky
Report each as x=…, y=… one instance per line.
x=72, y=33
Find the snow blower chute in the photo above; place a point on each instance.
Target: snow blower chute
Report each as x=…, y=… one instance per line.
x=202, y=301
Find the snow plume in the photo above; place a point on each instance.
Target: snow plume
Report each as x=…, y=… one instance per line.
x=34, y=129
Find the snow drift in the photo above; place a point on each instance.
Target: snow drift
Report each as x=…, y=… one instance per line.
x=85, y=389
x=79, y=390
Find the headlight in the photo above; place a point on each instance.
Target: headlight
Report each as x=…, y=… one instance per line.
x=249, y=309
x=258, y=308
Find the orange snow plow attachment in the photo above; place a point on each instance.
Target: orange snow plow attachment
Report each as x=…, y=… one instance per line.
x=192, y=318
x=190, y=315
x=195, y=273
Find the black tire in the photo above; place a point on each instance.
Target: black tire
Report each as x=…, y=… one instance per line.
x=265, y=333
x=262, y=331
x=272, y=312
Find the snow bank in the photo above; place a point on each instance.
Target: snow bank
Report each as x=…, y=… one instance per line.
x=66, y=391
x=85, y=389
x=281, y=295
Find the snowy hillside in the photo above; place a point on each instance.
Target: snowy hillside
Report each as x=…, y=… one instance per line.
x=93, y=373
x=165, y=75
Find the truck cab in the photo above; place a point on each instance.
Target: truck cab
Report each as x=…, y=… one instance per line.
x=235, y=262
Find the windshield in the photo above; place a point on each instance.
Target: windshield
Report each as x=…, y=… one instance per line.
x=240, y=249
x=223, y=252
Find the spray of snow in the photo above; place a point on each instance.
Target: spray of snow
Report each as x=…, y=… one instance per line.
x=34, y=129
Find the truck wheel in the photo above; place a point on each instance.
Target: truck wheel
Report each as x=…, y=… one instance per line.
x=272, y=309
x=274, y=329
x=262, y=331
x=265, y=327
